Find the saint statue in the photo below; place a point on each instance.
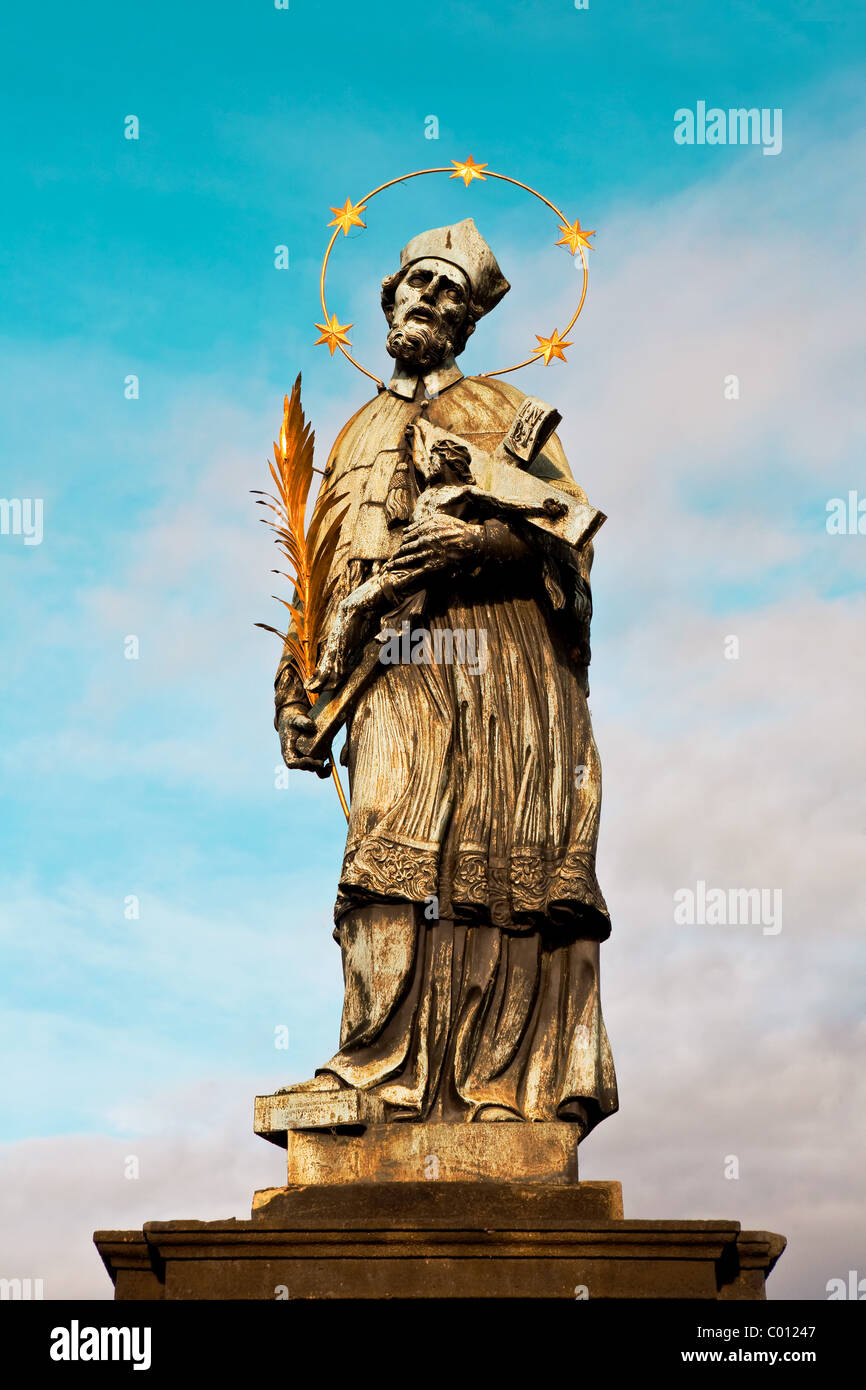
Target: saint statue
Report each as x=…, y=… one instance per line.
x=441, y=614
x=468, y=912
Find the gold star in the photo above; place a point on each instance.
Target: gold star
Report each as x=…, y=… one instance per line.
x=574, y=236
x=349, y=216
x=333, y=333
x=467, y=170
x=551, y=347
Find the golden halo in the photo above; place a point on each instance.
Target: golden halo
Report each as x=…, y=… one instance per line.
x=334, y=334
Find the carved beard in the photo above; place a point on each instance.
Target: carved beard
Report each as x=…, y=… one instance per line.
x=420, y=345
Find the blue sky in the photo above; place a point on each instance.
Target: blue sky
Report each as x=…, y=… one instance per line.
x=155, y=257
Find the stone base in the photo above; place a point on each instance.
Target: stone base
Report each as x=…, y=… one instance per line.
x=433, y=1239
x=377, y=1210
x=399, y=1152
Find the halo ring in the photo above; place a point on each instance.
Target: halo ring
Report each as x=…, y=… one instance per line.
x=488, y=174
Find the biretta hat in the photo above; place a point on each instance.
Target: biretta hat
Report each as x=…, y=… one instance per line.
x=462, y=245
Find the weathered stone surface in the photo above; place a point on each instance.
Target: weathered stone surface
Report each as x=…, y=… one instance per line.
x=431, y=1240
x=276, y=1115
x=446, y=496
x=435, y=1205
x=127, y=1257
x=405, y=1152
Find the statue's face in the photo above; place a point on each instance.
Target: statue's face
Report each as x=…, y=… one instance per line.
x=430, y=304
x=432, y=290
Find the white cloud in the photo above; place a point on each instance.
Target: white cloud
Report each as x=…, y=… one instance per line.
x=198, y=1155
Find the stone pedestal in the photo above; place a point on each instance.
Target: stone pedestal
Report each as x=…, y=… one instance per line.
x=435, y=1211
x=439, y=1240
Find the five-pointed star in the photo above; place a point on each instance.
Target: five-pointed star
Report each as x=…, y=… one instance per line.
x=551, y=347
x=467, y=170
x=333, y=333
x=349, y=216
x=574, y=236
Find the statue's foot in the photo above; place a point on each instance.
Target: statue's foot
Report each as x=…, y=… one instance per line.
x=495, y=1112
x=574, y=1113
x=325, y=1081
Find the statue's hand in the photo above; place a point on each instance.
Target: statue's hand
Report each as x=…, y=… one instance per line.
x=346, y=634
x=295, y=728
x=439, y=543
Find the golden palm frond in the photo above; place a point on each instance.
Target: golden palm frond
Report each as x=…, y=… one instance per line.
x=307, y=554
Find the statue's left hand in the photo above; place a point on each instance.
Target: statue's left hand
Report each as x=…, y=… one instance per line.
x=437, y=543
x=345, y=636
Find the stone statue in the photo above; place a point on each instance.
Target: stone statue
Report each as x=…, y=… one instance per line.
x=468, y=913
x=441, y=613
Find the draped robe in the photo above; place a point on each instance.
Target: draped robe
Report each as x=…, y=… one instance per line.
x=468, y=913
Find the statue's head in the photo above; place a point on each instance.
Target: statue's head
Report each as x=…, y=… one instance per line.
x=448, y=279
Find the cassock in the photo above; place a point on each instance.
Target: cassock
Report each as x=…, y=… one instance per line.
x=475, y=797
